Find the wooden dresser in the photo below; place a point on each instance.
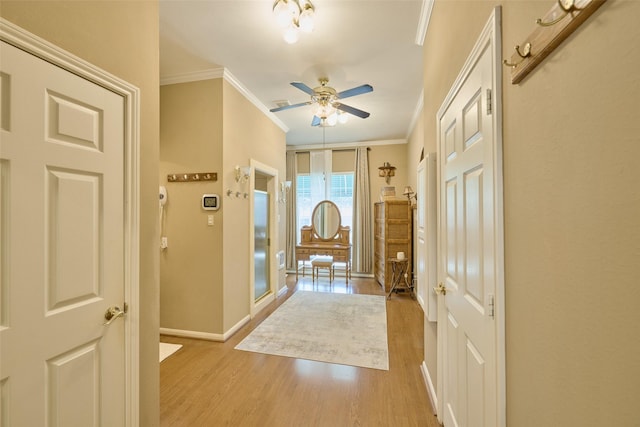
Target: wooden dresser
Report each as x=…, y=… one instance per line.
x=325, y=237
x=392, y=234
x=339, y=247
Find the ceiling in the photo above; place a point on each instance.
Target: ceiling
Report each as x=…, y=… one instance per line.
x=354, y=42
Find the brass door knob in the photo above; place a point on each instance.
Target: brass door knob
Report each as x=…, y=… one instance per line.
x=440, y=289
x=112, y=314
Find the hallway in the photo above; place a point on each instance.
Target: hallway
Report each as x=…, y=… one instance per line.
x=209, y=383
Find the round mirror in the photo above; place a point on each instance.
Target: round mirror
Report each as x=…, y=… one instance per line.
x=326, y=220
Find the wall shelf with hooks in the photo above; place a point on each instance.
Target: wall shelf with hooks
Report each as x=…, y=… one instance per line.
x=192, y=177
x=564, y=17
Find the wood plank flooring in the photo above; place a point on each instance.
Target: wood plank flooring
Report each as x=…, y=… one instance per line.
x=212, y=384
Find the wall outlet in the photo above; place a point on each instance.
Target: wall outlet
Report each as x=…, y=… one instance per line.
x=209, y=219
x=164, y=243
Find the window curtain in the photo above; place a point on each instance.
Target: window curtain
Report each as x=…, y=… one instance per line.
x=291, y=228
x=362, y=229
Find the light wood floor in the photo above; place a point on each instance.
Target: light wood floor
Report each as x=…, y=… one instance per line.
x=211, y=384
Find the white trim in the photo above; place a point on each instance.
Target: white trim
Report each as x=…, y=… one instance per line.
x=491, y=34
x=423, y=23
x=417, y=112
x=41, y=48
x=233, y=81
x=272, y=189
x=282, y=291
x=498, y=179
x=431, y=390
x=192, y=76
x=206, y=335
x=217, y=73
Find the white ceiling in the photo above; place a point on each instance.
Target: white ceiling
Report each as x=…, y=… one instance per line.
x=354, y=42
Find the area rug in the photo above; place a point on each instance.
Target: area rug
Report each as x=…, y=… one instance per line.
x=346, y=329
x=167, y=349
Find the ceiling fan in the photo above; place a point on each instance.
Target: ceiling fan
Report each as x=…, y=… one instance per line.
x=328, y=101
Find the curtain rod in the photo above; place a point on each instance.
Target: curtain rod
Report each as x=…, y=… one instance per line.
x=319, y=149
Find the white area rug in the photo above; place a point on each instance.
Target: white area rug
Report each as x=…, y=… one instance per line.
x=337, y=328
x=167, y=349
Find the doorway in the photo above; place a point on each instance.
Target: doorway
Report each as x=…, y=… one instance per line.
x=261, y=233
x=470, y=256
x=68, y=259
x=263, y=237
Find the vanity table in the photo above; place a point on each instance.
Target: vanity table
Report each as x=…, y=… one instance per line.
x=326, y=236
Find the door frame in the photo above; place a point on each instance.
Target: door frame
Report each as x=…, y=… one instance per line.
x=30, y=43
x=272, y=181
x=491, y=34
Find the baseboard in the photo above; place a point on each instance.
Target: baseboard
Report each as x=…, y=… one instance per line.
x=282, y=291
x=206, y=335
x=360, y=275
x=431, y=390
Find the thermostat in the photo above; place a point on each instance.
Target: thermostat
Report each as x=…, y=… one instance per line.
x=210, y=202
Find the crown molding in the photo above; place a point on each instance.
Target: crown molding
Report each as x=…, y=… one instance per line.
x=416, y=114
x=423, y=23
x=224, y=73
x=192, y=76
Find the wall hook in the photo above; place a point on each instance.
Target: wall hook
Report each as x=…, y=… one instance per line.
x=525, y=53
x=568, y=6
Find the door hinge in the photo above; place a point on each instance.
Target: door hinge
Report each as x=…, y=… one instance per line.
x=492, y=306
x=489, y=102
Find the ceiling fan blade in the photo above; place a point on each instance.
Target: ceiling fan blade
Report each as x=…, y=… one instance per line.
x=303, y=87
x=316, y=121
x=286, y=107
x=355, y=91
x=351, y=110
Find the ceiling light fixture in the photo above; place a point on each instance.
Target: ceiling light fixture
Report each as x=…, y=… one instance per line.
x=293, y=16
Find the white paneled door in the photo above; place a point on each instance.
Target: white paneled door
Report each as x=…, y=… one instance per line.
x=470, y=248
x=426, y=235
x=62, y=260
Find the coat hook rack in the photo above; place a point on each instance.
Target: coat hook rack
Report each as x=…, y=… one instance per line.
x=569, y=6
x=564, y=17
x=192, y=177
x=526, y=52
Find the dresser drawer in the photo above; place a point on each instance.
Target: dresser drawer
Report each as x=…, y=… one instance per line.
x=339, y=258
x=302, y=254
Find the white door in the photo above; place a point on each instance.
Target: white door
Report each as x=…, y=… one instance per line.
x=470, y=246
x=62, y=233
x=261, y=238
x=426, y=236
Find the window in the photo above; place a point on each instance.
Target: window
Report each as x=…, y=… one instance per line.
x=340, y=193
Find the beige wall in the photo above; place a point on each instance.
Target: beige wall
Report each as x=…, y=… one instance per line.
x=572, y=204
x=396, y=155
x=204, y=277
x=191, y=267
x=95, y=31
x=247, y=134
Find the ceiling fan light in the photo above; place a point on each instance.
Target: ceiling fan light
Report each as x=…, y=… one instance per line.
x=306, y=20
x=332, y=119
x=282, y=13
x=343, y=117
x=290, y=35
x=325, y=110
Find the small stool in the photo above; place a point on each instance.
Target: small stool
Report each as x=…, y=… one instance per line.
x=321, y=262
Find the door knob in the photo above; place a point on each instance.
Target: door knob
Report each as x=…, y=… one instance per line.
x=440, y=289
x=112, y=314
